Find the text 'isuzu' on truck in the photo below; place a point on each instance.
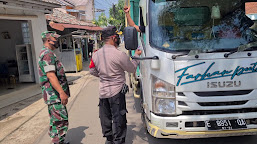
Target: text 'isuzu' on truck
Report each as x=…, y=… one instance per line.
x=198, y=69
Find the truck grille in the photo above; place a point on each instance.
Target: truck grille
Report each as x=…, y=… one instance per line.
x=210, y=112
x=218, y=105
x=222, y=103
x=223, y=93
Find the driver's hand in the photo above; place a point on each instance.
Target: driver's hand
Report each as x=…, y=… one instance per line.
x=138, y=52
x=126, y=9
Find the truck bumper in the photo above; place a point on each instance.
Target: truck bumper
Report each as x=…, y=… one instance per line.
x=182, y=133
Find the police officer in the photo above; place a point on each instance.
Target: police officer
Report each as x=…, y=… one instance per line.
x=110, y=64
x=54, y=86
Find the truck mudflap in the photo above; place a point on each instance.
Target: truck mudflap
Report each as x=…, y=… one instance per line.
x=162, y=133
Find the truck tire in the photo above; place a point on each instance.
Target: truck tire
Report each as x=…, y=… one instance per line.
x=130, y=83
x=142, y=109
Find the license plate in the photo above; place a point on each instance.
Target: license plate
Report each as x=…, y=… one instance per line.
x=226, y=124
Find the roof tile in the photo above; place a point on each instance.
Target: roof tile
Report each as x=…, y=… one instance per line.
x=79, y=2
x=61, y=17
x=51, y=1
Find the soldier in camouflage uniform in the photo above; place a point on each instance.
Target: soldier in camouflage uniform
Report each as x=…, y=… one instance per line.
x=55, y=87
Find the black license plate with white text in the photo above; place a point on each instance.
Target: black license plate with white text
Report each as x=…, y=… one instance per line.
x=226, y=124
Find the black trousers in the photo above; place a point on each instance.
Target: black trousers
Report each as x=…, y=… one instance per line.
x=112, y=113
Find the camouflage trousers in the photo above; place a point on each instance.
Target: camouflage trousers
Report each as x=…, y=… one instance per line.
x=58, y=122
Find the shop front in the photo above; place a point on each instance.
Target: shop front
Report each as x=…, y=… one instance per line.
x=71, y=51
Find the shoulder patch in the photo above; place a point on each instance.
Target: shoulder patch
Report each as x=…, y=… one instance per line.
x=91, y=65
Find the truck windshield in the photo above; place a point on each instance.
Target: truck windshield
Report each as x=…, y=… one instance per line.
x=207, y=25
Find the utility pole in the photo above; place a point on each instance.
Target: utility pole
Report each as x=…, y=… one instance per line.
x=93, y=8
x=114, y=10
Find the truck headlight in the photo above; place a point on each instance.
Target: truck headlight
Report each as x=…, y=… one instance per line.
x=165, y=106
x=164, y=100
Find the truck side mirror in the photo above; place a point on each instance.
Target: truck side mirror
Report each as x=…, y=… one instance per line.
x=130, y=37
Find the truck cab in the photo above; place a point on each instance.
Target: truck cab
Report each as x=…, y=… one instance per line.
x=198, y=68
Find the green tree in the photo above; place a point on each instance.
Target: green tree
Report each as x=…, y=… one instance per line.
x=116, y=18
x=102, y=20
x=117, y=15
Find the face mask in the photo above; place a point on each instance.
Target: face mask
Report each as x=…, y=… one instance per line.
x=118, y=40
x=56, y=44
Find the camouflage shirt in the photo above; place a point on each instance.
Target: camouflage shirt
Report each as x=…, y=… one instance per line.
x=48, y=61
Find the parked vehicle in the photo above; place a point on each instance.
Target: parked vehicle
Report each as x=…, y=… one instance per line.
x=197, y=74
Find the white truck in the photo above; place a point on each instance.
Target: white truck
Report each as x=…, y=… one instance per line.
x=198, y=69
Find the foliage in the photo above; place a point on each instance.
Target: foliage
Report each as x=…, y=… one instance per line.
x=116, y=18
x=102, y=20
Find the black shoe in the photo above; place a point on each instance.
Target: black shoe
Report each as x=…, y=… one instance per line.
x=109, y=142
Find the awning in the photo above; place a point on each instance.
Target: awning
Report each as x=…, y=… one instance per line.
x=61, y=27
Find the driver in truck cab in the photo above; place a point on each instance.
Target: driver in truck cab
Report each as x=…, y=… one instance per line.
x=131, y=23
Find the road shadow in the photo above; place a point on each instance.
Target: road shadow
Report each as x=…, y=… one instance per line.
x=132, y=134
x=86, y=65
x=137, y=105
x=71, y=79
x=76, y=135
x=148, y=139
x=226, y=140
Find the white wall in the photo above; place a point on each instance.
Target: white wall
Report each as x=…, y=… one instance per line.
x=7, y=46
x=38, y=25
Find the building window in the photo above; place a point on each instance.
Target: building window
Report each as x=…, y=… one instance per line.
x=25, y=32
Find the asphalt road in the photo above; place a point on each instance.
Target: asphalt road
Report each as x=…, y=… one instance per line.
x=85, y=125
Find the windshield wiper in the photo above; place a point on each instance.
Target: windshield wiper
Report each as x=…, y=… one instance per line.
x=242, y=48
x=191, y=53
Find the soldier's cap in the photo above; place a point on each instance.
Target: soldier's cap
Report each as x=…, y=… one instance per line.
x=48, y=34
x=109, y=31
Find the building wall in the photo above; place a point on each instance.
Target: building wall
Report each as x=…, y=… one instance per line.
x=89, y=11
x=7, y=46
x=87, y=6
x=38, y=25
